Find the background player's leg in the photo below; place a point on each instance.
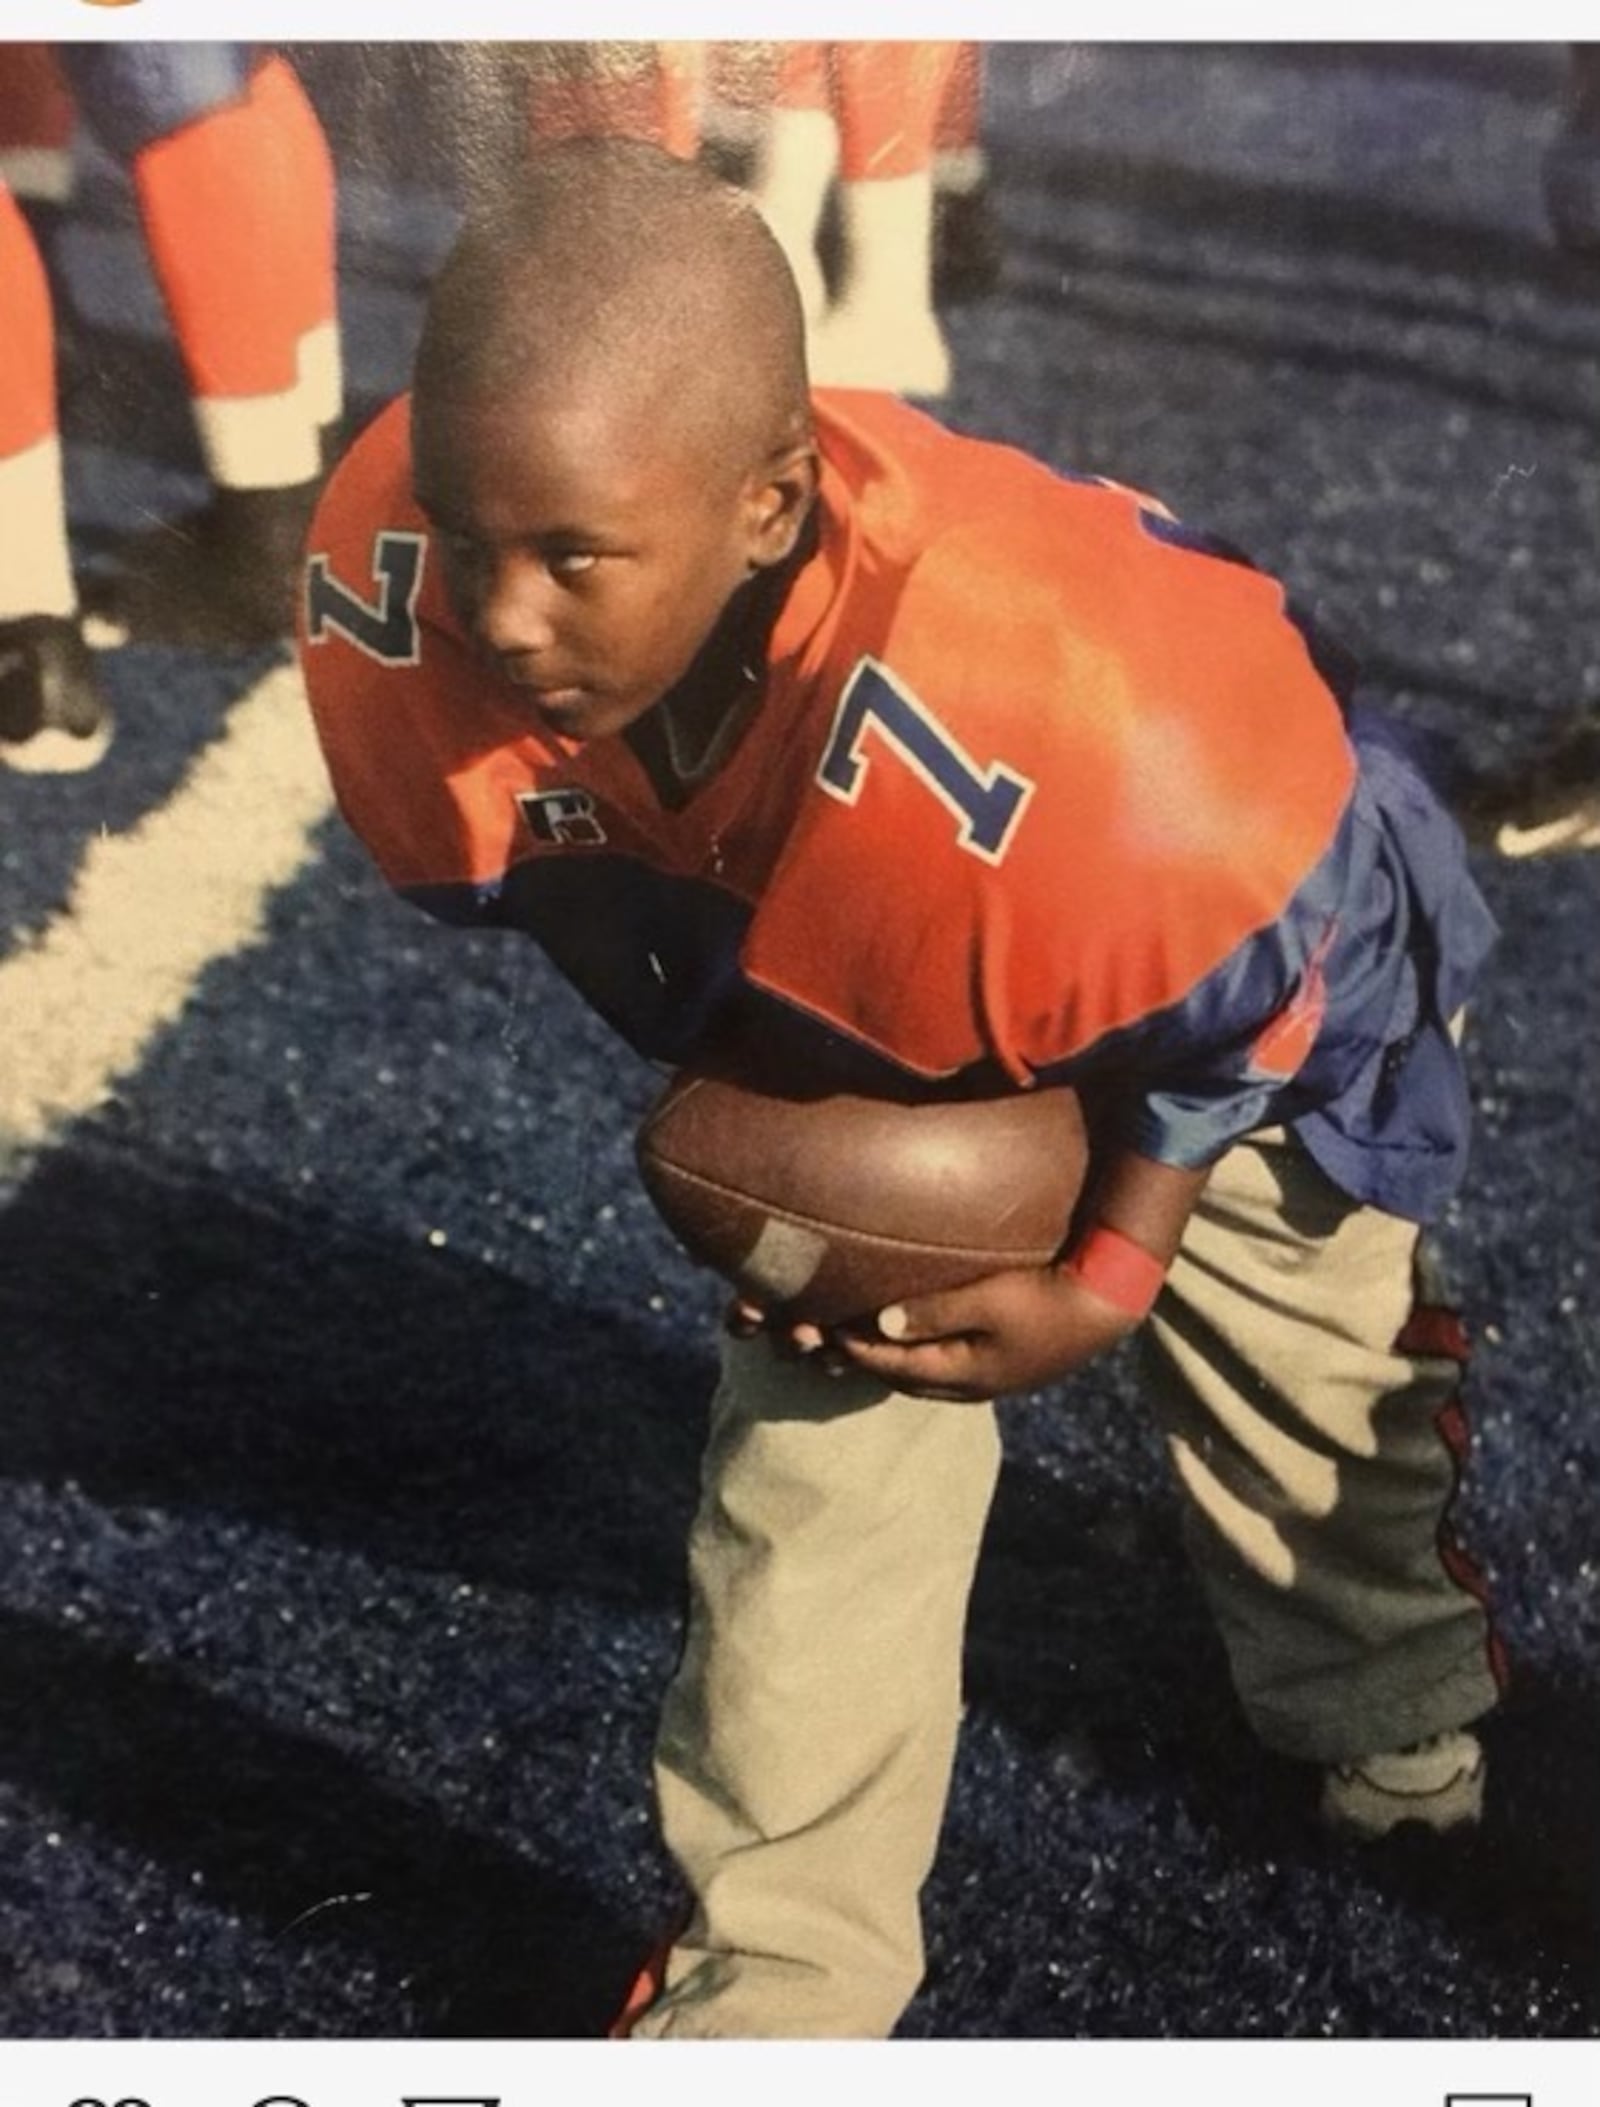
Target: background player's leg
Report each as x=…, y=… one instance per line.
x=616, y=90
x=1313, y=1415
x=795, y=163
x=37, y=120
x=36, y=571
x=959, y=161
x=52, y=716
x=966, y=235
x=881, y=331
x=235, y=189
x=806, y=1742
x=741, y=91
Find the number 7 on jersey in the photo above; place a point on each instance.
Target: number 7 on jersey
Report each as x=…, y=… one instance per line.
x=988, y=802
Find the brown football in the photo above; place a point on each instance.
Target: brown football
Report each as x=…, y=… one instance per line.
x=835, y=1207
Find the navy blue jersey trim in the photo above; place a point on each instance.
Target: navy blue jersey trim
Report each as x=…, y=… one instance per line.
x=656, y=956
x=1337, y=666
x=133, y=94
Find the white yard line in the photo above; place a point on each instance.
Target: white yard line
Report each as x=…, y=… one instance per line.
x=151, y=909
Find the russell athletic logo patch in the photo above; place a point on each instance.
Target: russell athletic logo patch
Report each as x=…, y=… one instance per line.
x=566, y=819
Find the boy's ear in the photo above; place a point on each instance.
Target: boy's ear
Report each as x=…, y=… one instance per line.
x=778, y=498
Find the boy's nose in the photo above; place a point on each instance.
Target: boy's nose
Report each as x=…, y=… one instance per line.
x=516, y=607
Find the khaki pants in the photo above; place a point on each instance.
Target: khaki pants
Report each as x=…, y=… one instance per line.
x=807, y=1740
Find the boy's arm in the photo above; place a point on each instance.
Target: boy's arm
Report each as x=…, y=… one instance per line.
x=1031, y=1325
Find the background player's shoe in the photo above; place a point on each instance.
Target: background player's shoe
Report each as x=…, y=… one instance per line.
x=223, y=578
x=967, y=248
x=53, y=716
x=1549, y=805
x=1437, y=1784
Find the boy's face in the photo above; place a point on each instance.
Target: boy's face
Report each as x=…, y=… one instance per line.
x=589, y=559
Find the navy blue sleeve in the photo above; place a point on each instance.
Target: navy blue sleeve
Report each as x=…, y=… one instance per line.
x=1341, y=1018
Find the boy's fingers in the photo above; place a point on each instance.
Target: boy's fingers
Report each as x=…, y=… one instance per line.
x=939, y=1361
x=929, y=1317
x=743, y=1319
x=937, y=1366
x=888, y=1346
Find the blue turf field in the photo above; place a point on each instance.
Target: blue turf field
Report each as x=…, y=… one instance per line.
x=352, y=1394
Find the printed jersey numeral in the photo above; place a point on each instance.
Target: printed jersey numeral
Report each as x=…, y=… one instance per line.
x=385, y=628
x=988, y=802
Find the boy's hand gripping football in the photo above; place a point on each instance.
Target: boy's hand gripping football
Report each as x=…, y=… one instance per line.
x=1017, y=1329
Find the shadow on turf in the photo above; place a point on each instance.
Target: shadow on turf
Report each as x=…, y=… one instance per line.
x=179, y=1345
x=1105, y=277
x=1090, y=1642
x=301, y=1840
x=1059, y=278
x=1522, y=74
x=1318, y=224
x=174, y=1346
x=1529, y=1882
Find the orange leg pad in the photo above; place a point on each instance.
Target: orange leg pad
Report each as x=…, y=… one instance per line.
x=27, y=341
x=960, y=109
x=238, y=212
x=886, y=99
x=805, y=79
x=36, y=106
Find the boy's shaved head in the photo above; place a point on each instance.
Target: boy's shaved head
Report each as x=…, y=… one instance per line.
x=612, y=275
x=611, y=434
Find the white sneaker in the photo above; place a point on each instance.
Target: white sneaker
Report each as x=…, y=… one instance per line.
x=54, y=719
x=1437, y=1782
x=1576, y=828
x=1550, y=805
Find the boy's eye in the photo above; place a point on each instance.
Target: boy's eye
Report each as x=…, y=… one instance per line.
x=571, y=563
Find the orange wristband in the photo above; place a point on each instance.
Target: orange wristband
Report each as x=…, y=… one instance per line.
x=1116, y=1269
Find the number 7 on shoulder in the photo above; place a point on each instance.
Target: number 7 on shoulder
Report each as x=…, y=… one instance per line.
x=988, y=802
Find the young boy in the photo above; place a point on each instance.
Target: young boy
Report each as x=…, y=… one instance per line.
x=907, y=760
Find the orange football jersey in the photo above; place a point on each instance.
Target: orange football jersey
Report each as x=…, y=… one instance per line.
x=1040, y=785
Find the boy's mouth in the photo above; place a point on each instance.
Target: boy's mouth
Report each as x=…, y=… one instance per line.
x=536, y=685
x=560, y=709
x=555, y=697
